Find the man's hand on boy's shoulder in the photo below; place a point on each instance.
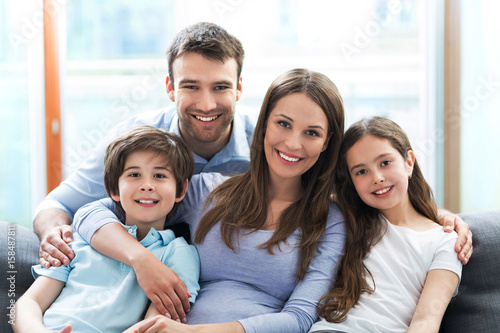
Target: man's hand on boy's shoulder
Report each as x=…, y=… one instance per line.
x=54, y=249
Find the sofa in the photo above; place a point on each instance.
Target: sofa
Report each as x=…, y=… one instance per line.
x=476, y=308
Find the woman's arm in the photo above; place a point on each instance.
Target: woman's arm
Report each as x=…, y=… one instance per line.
x=161, y=324
x=33, y=304
x=450, y=221
x=439, y=287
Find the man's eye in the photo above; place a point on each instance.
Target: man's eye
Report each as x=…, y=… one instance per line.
x=221, y=88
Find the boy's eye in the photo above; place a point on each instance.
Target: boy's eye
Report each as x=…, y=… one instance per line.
x=283, y=123
x=159, y=175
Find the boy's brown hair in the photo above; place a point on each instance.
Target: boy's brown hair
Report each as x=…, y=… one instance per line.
x=168, y=146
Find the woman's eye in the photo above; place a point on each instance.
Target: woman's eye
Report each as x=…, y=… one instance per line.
x=312, y=133
x=283, y=123
x=385, y=163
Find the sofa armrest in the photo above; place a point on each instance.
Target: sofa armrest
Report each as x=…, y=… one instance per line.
x=18, y=252
x=476, y=308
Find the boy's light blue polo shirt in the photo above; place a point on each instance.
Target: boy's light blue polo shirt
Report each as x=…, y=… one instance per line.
x=102, y=294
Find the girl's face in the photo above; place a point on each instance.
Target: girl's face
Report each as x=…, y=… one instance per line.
x=296, y=132
x=379, y=173
x=147, y=190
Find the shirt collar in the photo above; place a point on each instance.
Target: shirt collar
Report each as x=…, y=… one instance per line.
x=153, y=235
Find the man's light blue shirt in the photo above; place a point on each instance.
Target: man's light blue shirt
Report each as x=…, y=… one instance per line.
x=102, y=294
x=85, y=184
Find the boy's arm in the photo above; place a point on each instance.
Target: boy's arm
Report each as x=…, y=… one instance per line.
x=33, y=304
x=451, y=221
x=160, y=284
x=439, y=287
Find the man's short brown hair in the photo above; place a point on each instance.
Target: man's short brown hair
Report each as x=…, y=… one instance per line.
x=208, y=40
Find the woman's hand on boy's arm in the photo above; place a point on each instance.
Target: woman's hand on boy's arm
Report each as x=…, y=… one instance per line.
x=450, y=222
x=160, y=284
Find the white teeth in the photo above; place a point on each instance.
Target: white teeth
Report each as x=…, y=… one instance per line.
x=288, y=158
x=206, y=118
x=385, y=190
x=148, y=202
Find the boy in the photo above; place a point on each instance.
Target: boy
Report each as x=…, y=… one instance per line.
x=146, y=174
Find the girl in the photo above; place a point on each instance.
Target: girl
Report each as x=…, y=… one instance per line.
x=399, y=270
x=268, y=239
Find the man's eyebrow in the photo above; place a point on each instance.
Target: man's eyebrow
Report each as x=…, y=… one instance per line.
x=186, y=81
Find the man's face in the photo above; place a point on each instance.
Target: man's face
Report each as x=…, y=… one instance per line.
x=205, y=92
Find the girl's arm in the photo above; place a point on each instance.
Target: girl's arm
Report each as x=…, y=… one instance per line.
x=33, y=304
x=439, y=287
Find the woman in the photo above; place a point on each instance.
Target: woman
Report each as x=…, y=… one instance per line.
x=268, y=239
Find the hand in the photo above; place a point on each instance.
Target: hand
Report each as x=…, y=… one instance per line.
x=54, y=249
x=463, y=246
x=163, y=287
x=159, y=324
x=66, y=329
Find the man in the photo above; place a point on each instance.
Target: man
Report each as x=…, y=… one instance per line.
x=205, y=83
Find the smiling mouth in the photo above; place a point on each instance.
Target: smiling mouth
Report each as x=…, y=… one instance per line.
x=288, y=158
x=206, y=119
x=147, y=202
x=384, y=190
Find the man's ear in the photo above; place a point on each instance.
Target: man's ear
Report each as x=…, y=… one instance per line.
x=170, y=89
x=239, y=89
x=410, y=161
x=184, y=190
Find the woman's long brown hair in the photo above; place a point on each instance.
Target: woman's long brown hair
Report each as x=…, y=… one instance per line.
x=241, y=202
x=363, y=224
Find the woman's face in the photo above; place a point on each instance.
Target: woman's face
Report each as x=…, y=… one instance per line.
x=296, y=134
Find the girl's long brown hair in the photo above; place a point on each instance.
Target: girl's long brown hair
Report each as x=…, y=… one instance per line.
x=363, y=224
x=241, y=202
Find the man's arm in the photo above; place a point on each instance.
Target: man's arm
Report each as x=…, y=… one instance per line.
x=162, y=286
x=450, y=221
x=52, y=226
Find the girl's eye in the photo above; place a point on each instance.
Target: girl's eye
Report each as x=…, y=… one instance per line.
x=385, y=163
x=312, y=133
x=283, y=123
x=361, y=172
x=134, y=174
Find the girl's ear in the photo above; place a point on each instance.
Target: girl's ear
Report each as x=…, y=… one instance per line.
x=410, y=162
x=184, y=190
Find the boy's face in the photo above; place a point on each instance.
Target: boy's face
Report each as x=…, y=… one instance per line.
x=147, y=190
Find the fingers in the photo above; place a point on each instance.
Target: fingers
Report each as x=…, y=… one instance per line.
x=174, y=305
x=464, y=247
x=54, y=250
